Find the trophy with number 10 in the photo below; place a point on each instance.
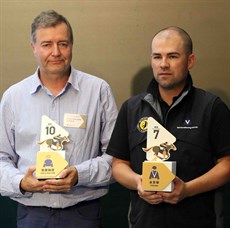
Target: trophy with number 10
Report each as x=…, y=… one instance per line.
x=50, y=159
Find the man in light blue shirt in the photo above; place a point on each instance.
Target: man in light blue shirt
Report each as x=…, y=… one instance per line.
x=56, y=89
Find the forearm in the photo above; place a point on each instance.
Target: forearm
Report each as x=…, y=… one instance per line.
x=10, y=181
x=95, y=172
x=214, y=178
x=124, y=174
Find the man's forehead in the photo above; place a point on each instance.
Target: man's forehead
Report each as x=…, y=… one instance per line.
x=167, y=41
x=167, y=35
x=49, y=33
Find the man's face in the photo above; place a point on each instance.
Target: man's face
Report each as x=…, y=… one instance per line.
x=170, y=62
x=53, y=50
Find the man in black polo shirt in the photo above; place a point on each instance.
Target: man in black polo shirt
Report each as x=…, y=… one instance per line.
x=200, y=122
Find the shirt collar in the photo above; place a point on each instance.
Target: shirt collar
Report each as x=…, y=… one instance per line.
x=74, y=79
x=36, y=83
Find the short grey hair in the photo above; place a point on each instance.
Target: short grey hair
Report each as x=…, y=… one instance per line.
x=48, y=19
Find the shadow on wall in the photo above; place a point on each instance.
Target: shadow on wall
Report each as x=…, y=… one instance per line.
x=144, y=76
x=218, y=92
x=141, y=80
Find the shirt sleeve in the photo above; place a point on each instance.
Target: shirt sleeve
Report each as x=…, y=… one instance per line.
x=119, y=142
x=10, y=175
x=97, y=171
x=220, y=129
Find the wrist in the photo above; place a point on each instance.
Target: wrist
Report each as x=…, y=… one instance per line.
x=20, y=188
x=188, y=189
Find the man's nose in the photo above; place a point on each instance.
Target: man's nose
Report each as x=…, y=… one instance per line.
x=164, y=63
x=56, y=50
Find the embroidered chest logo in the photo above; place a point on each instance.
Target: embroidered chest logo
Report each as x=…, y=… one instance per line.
x=142, y=125
x=187, y=124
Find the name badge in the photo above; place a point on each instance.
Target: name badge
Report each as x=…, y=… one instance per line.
x=75, y=120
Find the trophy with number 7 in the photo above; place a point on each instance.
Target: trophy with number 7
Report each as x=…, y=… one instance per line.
x=157, y=172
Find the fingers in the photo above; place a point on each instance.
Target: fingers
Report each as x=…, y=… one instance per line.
x=178, y=194
x=67, y=178
x=70, y=172
x=56, y=186
x=151, y=197
x=30, y=183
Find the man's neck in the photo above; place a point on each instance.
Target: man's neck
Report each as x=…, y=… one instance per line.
x=55, y=83
x=168, y=95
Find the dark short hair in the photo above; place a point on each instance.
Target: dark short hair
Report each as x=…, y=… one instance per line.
x=183, y=34
x=48, y=19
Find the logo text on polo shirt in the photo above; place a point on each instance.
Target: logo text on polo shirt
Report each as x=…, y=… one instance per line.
x=187, y=124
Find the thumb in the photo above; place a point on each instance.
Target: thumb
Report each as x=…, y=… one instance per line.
x=31, y=170
x=177, y=180
x=63, y=174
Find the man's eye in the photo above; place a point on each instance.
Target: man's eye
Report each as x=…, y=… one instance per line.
x=173, y=56
x=64, y=45
x=156, y=57
x=46, y=45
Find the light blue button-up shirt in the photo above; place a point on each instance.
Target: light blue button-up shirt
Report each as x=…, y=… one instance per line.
x=22, y=107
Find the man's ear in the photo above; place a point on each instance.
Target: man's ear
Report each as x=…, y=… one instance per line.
x=191, y=61
x=32, y=46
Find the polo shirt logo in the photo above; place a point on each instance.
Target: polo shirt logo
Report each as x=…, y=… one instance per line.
x=187, y=124
x=142, y=125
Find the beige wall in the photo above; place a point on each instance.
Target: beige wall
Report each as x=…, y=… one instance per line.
x=112, y=39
